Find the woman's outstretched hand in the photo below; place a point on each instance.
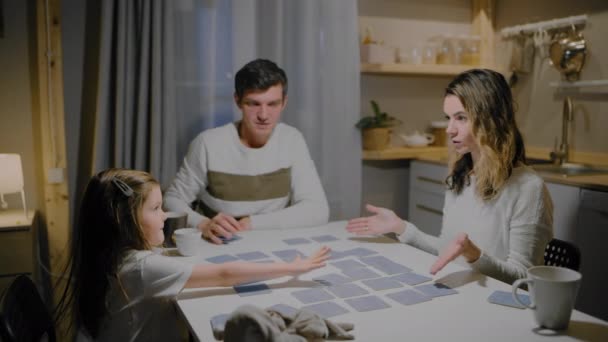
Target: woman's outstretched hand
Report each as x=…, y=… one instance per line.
x=317, y=260
x=383, y=221
x=461, y=245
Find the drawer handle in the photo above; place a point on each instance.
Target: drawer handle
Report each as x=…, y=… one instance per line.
x=425, y=208
x=430, y=180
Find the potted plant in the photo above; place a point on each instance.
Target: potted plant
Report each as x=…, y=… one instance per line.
x=375, y=129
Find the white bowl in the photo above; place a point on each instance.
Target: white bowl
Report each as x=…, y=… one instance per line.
x=188, y=241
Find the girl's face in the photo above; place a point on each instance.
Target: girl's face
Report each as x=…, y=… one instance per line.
x=152, y=217
x=460, y=127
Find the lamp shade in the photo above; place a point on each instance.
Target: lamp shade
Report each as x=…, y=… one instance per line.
x=11, y=178
x=11, y=173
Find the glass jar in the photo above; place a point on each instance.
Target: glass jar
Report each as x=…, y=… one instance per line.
x=445, y=52
x=470, y=54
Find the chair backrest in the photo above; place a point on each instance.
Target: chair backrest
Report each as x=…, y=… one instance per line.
x=23, y=316
x=563, y=254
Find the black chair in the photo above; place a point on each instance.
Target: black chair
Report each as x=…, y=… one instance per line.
x=24, y=317
x=563, y=254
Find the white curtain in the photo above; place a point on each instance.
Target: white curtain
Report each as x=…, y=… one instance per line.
x=315, y=41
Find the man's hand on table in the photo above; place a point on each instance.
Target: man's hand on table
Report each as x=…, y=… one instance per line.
x=223, y=225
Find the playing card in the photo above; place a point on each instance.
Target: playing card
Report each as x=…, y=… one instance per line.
x=347, y=264
x=324, y=238
x=367, y=303
x=385, y=265
x=251, y=289
x=506, y=298
x=408, y=297
x=288, y=255
x=296, y=241
x=252, y=256
x=220, y=259
x=331, y=279
x=360, y=273
x=312, y=295
x=411, y=278
x=347, y=290
x=380, y=284
x=435, y=289
x=326, y=309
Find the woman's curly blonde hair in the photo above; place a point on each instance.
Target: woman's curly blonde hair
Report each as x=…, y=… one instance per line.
x=487, y=99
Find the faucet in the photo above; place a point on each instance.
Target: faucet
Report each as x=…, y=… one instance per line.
x=560, y=156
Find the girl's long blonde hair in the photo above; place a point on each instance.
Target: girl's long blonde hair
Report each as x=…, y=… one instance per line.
x=487, y=99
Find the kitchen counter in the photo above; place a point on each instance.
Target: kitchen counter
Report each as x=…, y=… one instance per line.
x=438, y=155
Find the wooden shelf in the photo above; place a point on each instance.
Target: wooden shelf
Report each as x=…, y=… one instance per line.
x=414, y=69
x=420, y=69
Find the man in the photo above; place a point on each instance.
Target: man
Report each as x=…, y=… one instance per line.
x=255, y=173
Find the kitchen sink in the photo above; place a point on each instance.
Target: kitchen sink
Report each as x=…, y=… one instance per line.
x=570, y=169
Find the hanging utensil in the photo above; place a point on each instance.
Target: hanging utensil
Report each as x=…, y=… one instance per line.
x=567, y=53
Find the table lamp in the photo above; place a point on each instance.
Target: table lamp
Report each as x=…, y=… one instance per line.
x=11, y=179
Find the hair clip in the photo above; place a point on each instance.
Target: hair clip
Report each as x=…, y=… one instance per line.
x=123, y=187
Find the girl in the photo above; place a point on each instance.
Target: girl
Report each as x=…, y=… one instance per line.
x=497, y=212
x=121, y=290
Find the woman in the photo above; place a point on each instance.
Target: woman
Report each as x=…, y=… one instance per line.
x=120, y=289
x=497, y=213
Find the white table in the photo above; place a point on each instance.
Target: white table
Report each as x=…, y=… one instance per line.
x=466, y=315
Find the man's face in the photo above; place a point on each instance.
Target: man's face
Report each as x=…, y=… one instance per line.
x=261, y=113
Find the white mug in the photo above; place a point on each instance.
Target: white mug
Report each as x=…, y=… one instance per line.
x=188, y=241
x=553, y=293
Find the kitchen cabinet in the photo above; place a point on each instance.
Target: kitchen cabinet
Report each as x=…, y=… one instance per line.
x=427, y=191
x=591, y=236
x=18, y=247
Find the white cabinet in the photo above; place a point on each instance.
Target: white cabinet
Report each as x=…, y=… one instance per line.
x=18, y=246
x=427, y=191
x=591, y=236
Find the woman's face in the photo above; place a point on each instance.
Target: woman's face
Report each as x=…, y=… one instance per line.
x=152, y=217
x=460, y=127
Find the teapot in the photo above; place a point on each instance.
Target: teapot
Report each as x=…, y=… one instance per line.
x=417, y=139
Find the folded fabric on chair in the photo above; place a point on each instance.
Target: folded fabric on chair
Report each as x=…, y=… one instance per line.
x=250, y=323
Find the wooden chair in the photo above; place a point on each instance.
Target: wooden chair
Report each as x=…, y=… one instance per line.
x=563, y=254
x=24, y=316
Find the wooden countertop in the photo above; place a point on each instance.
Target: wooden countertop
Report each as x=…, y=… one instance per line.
x=438, y=155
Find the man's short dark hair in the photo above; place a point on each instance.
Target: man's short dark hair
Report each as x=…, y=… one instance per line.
x=259, y=74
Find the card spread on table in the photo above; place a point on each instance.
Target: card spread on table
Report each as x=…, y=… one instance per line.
x=435, y=289
x=347, y=290
x=411, y=278
x=380, y=284
x=324, y=238
x=220, y=259
x=252, y=256
x=288, y=255
x=506, y=298
x=326, y=309
x=296, y=241
x=285, y=310
x=408, y=297
x=385, y=265
x=218, y=323
x=335, y=255
x=367, y=303
x=331, y=279
x=251, y=289
x=226, y=240
x=360, y=252
x=360, y=273
x=347, y=264
x=312, y=295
